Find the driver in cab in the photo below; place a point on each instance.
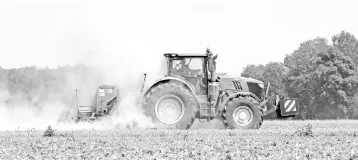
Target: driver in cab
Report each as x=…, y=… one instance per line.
x=182, y=67
x=184, y=70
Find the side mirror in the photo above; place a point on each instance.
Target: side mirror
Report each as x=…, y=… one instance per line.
x=216, y=56
x=211, y=63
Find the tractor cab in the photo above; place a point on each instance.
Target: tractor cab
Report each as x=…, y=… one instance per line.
x=192, y=68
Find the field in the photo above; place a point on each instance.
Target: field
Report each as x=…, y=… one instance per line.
x=275, y=140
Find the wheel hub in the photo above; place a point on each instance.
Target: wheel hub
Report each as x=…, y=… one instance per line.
x=243, y=115
x=169, y=109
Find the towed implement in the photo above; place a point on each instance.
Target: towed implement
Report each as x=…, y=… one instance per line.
x=190, y=89
x=104, y=103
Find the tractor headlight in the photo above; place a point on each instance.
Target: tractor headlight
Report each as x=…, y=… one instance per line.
x=261, y=85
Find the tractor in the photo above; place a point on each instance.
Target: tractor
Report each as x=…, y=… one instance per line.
x=190, y=89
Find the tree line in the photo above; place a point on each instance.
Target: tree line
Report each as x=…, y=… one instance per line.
x=322, y=75
x=32, y=86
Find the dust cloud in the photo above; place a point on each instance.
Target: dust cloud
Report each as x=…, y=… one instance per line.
x=57, y=108
x=118, y=54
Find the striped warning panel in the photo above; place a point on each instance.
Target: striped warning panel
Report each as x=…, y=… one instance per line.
x=290, y=105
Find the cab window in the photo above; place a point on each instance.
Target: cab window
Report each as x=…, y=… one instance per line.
x=187, y=66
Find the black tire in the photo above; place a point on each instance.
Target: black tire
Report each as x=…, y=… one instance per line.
x=176, y=89
x=251, y=104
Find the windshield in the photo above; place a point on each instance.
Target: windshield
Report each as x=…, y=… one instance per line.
x=192, y=63
x=187, y=66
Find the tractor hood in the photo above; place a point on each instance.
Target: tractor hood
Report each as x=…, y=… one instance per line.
x=238, y=83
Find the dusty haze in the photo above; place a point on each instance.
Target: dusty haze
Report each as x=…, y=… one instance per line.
x=124, y=72
x=99, y=44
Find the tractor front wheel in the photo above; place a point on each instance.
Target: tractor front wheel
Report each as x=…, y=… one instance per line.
x=242, y=113
x=171, y=105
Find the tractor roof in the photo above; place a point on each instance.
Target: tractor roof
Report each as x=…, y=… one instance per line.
x=185, y=55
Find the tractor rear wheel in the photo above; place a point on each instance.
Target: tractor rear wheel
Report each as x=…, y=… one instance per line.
x=171, y=105
x=242, y=113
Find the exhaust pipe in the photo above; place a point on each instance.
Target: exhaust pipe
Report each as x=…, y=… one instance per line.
x=145, y=75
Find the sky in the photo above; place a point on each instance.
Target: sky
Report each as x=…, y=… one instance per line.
x=129, y=34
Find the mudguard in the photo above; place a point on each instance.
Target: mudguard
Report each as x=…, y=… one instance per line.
x=234, y=94
x=170, y=78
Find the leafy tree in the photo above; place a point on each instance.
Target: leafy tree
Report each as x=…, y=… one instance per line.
x=274, y=73
x=254, y=71
x=347, y=44
x=301, y=65
x=335, y=81
x=322, y=76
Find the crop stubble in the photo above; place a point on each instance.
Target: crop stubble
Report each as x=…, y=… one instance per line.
x=275, y=140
